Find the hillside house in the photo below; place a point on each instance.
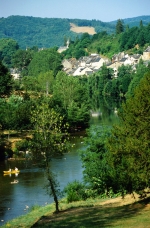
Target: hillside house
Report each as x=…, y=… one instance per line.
x=93, y=61
x=146, y=54
x=80, y=71
x=132, y=59
x=118, y=57
x=64, y=48
x=70, y=65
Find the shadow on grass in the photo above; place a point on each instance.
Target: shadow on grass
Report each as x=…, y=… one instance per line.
x=94, y=216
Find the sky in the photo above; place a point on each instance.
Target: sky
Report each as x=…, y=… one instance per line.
x=103, y=10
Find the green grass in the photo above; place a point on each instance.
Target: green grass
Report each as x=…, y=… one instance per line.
x=91, y=213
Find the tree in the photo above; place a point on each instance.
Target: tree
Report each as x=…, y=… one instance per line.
x=49, y=139
x=141, y=70
x=5, y=81
x=119, y=27
x=129, y=144
x=44, y=61
x=72, y=94
x=21, y=60
x=97, y=173
x=30, y=83
x=8, y=48
x=46, y=82
x=124, y=79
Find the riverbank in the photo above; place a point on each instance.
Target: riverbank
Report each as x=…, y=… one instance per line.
x=117, y=212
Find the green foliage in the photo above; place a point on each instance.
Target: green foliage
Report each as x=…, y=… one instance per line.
x=77, y=49
x=129, y=144
x=30, y=83
x=50, y=32
x=122, y=82
x=22, y=59
x=102, y=43
x=119, y=26
x=44, y=61
x=117, y=161
x=45, y=32
x=141, y=70
x=5, y=81
x=2, y=145
x=21, y=146
x=97, y=173
x=133, y=36
x=71, y=93
x=15, y=113
x=98, y=81
x=110, y=44
x=46, y=82
x=8, y=48
x=75, y=191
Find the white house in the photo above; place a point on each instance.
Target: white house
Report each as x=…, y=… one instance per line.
x=80, y=71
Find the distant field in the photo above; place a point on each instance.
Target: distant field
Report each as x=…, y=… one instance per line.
x=83, y=29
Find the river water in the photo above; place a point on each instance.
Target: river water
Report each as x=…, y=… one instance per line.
x=30, y=191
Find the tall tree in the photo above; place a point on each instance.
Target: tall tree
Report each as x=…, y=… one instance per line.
x=96, y=172
x=119, y=26
x=130, y=144
x=49, y=139
x=140, y=71
x=5, y=81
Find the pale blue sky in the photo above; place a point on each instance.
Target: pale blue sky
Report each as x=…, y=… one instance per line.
x=104, y=10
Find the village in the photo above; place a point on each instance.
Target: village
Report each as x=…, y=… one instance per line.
x=90, y=64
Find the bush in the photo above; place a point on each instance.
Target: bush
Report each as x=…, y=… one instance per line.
x=75, y=191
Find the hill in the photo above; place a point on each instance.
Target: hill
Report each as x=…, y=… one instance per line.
x=46, y=32
x=134, y=21
x=50, y=32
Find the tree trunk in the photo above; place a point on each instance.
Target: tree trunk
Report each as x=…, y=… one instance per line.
x=54, y=193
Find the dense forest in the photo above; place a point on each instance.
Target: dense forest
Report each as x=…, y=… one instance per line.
x=49, y=104
x=50, y=32
x=44, y=32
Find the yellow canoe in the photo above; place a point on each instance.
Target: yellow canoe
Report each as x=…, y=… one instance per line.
x=11, y=172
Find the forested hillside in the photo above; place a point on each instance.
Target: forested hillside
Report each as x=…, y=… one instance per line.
x=44, y=32
x=50, y=32
x=134, y=21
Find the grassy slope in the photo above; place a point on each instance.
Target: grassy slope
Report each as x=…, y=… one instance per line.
x=116, y=213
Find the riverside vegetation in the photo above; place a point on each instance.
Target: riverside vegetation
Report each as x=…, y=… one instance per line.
x=51, y=104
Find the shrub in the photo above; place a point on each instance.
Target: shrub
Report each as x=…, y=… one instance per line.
x=75, y=191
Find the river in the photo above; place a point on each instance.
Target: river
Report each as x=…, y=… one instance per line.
x=29, y=191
